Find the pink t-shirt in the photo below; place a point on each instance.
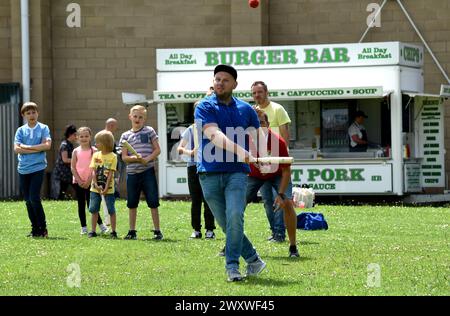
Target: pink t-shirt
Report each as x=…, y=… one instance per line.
x=83, y=161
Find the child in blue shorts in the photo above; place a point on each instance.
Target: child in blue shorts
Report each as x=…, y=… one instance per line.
x=103, y=165
x=31, y=142
x=140, y=169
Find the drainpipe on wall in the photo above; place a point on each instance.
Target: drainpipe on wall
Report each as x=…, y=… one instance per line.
x=26, y=82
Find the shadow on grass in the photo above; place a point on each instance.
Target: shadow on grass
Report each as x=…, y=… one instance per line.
x=165, y=240
x=261, y=280
x=121, y=239
x=52, y=238
x=306, y=243
x=287, y=260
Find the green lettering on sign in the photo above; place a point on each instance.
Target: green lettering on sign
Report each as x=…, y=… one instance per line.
x=296, y=174
x=322, y=186
x=274, y=57
x=327, y=175
x=226, y=58
x=290, y=57
x=312, y=174
x=242, y=58
x=355, y=175
x=341, y=55
x=258, y=57
x=326, y=56
x=337, y=56
x=411, y=54
x=212, y=58
x=311, y=56
x=167, y=96
x=341, y=175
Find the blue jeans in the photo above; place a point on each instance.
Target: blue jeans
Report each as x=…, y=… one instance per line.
x=269, y=191
x=146, y=182
x=225, y=196
x=96, y=201
x=30, y=185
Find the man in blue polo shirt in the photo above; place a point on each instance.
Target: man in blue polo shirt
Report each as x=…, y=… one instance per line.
x=223, y=125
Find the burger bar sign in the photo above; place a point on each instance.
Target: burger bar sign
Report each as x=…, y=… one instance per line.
x=338, y=55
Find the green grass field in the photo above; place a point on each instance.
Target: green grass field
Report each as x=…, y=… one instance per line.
x=410, y=245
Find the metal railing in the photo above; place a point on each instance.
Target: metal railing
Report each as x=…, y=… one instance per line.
x=10, y=99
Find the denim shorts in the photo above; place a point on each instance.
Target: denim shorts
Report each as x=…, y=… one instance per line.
x=96, y=201
x=142, y=182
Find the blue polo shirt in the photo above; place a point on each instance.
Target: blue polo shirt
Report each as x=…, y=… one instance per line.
x=233, y=120
x=31, y=163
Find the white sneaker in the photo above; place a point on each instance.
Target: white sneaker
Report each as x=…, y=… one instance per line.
x=104, y=229
x=210, y=234
x=255, y=267
x=84, y=230
x=196, y=235
x=234, y=275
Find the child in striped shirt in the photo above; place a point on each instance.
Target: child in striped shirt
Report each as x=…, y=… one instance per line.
x=140, y=169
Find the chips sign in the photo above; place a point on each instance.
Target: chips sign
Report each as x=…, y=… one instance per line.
x=445, y=91
x=269, y=57
x=429, y=111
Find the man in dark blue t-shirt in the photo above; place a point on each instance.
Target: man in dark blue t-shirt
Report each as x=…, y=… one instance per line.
x=223, y=125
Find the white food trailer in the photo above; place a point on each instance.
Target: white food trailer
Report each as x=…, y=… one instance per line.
x=321, y=87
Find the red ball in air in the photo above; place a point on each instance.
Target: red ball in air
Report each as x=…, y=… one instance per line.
x=253, y=3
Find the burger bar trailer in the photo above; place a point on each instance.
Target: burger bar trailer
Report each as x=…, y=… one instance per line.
x=321, y=87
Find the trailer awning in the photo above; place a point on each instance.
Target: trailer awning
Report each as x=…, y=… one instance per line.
x=291, y=94
x=413, y=95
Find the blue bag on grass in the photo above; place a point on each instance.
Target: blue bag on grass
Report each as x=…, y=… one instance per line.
x=311, y=221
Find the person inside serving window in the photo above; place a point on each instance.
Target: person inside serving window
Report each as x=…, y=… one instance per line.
x=358, y=134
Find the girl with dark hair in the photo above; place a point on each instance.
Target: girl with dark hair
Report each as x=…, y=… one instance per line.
x=62, y=171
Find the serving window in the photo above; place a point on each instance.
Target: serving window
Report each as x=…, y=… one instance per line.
x=319, y=128
x=322, y=127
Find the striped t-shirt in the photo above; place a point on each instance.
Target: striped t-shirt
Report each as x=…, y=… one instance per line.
x=141, y=141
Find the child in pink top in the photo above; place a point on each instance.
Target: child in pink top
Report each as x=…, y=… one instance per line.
x=82, y=176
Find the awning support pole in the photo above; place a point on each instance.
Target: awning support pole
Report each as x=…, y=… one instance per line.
x=417, y=31
x=424, y=42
